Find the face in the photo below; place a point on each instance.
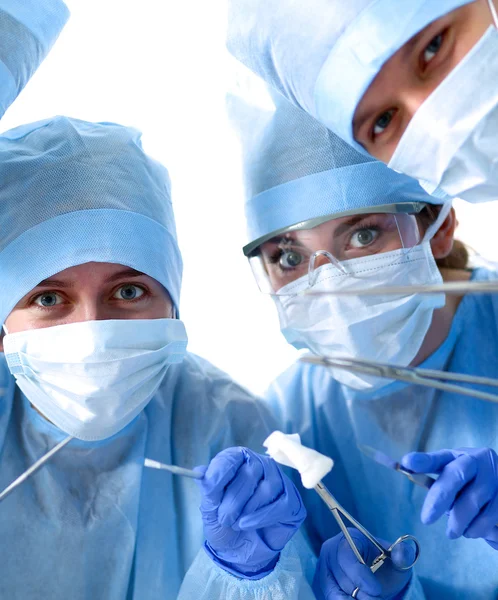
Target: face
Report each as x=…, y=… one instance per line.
x=288, y=257
x=413, y=73
x=90, y=292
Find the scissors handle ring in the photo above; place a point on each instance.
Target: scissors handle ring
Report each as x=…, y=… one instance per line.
x=400, y=540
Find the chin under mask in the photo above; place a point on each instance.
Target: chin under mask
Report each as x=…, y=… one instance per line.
x=379, y=328
x=93, y=378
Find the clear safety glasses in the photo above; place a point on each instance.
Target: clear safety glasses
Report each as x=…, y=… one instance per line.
x=298, y=253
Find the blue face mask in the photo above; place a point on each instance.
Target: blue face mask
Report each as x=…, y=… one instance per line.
x=93, y=378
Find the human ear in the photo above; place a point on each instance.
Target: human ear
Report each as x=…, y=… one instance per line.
x=442, y=242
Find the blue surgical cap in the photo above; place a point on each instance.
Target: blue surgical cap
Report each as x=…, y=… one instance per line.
x=295, y=169
x=74, y=192
x=28, y=29
x=323, y=54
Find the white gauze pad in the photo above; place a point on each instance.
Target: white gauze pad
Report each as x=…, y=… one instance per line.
x=288, y=450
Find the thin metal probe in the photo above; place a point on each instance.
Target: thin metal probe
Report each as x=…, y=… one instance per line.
x=450, y=287
x=154, y=464
x=34, y=467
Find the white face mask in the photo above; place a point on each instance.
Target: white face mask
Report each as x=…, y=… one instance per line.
x=451, y=144
x=380, y=328
x=93, y=378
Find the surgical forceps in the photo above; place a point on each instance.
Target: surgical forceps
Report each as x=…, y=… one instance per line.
x=417, y=376
x=385, y=553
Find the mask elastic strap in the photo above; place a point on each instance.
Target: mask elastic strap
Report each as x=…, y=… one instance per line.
x=434, y=227
x=5, y=329
x=493, y=12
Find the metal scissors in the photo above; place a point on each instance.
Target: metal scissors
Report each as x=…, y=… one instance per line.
x=433, y=378
x=384, y=553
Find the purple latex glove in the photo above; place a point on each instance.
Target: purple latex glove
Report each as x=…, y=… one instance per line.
x=339, y=573
x=467, y=490
x=250, y=511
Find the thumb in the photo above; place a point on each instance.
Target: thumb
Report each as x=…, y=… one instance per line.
x=351, y=570
x=429, y=462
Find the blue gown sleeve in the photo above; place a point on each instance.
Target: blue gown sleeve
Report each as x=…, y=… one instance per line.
x=290, y=580
x=414, y=591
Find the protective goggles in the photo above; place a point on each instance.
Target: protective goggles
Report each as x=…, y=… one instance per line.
x=282, y=257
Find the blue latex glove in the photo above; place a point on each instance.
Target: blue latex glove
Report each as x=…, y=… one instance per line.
x=339, y=573
x=467, y=490
x=250, y=511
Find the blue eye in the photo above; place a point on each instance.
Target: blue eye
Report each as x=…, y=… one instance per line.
x=433, y=48
x=363, y=237
x=48, y=299
x=128, y=292
x=383, y=122
x=290, y=259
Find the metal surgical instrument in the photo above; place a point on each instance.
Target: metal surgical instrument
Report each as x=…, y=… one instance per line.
x=425, y=377
x=385, y=553
x=154, y=464
x=34, y=467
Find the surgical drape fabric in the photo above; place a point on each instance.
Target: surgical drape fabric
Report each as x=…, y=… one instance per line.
x=28, y=30
x=94, y=523
x=398, y=419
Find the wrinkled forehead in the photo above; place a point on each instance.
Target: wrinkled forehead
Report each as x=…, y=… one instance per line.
x=357, y=57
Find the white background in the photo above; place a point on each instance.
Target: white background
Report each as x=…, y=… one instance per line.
x=161, y=66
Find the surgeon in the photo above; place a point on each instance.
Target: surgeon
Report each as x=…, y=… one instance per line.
x=414, y=84
x=95, y=356
x=28, y=30
x=324, y=219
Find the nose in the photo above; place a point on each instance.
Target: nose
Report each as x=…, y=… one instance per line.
x=412, y=97
x=89, y=309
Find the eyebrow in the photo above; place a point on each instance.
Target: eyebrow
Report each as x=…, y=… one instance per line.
x=58, y=283
x=286, y=240
x=351, y=222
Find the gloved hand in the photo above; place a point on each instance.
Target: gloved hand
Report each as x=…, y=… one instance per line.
x=467, y=489
x=339, y=573
x=250, y=511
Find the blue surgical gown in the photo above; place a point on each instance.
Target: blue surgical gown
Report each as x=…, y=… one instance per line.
x=398, y=419
x=94, y=523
